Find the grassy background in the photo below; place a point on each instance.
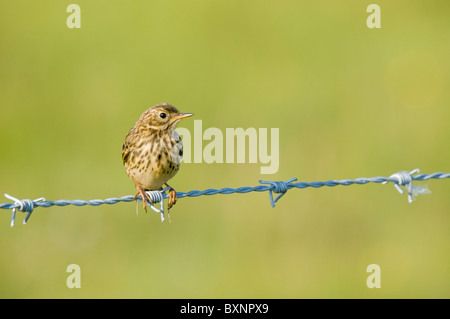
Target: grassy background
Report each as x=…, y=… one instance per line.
x=349, y=102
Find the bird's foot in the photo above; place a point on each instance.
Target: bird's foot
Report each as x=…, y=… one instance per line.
x=145, y=197
x=172, y=196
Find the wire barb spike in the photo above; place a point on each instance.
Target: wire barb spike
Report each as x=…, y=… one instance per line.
x=405, y=179
x=278, y=187
x=24, y=205
x=157, y=196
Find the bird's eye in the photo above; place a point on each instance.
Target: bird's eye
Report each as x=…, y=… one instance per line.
x=162, y=115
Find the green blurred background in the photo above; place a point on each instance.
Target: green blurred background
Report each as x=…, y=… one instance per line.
x=349, y=102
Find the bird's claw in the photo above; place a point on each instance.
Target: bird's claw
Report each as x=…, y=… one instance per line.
x=172, y=197
x=145, y=197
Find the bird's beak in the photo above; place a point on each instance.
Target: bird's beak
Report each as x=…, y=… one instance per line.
x=180, y=116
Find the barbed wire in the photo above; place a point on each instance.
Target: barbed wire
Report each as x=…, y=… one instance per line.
x=400, y=179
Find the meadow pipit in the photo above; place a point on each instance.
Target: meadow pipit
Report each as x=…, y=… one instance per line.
x=152, y=150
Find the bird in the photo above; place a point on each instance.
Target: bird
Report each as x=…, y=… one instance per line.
x=153, y=150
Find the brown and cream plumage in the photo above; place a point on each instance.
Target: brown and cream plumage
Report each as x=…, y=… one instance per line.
x=152, y=150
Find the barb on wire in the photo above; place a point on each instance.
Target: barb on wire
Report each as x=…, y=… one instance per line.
x=400, y=179
x=279, y=188
x=25, y=205
x=405, y=179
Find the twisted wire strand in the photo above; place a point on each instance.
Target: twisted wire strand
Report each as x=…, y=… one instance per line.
x=402, y=178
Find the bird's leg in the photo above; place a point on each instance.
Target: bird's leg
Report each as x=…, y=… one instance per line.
x=144, y=197
x=172, y=196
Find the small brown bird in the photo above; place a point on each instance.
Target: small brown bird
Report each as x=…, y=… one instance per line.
x=153, y=150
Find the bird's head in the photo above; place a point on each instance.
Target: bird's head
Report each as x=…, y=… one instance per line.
x=162, y=117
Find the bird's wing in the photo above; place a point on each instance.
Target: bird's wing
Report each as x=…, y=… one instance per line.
x=125, y=152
